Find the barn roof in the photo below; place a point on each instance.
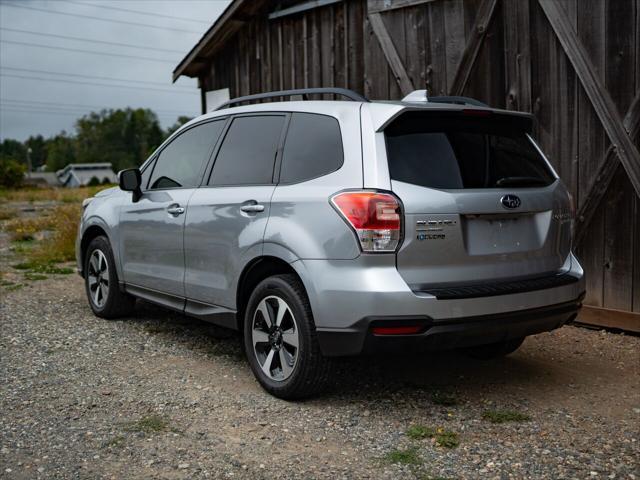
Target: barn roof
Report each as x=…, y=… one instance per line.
x=233, y=17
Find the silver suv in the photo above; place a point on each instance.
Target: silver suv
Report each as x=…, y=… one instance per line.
x=332, y=228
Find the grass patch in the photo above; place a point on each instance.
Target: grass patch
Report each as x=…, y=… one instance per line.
x=35, y=266
x=149, y=424
x=408, y=456
x=6, y=283
x=446, y=399
x=443, y=438
x=34, y=276
x=446, y=438
x=64, y=195
x=115, y=442
x=14, y=287
x=503, y=416
x=7, y=214
x=418, y=432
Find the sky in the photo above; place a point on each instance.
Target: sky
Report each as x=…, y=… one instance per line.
x=46, y=85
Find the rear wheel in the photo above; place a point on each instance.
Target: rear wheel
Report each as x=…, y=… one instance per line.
x=280, y=339
x=101, y=282
x=495, y=350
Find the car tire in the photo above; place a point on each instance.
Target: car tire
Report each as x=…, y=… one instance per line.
x=495, y=350
x=277, y=318
x=105, y=297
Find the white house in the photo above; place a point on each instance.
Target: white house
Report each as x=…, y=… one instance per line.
x=80, y=174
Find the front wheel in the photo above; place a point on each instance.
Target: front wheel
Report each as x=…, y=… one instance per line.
x=101, y=282
x=280, y=339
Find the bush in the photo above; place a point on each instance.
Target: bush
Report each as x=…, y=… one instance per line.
x=93, y=182
x=11, y=172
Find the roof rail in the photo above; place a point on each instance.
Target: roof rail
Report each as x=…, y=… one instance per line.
x=304, y=92
x=459, y=100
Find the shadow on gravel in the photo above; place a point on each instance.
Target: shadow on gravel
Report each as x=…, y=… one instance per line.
x=357, y=378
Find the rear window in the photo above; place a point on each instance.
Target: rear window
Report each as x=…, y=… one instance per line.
x=313, y=148
x=456, y=151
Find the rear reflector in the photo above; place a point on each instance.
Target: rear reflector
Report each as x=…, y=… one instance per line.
x=374, y=216
x=405, y=330
x=476, y=113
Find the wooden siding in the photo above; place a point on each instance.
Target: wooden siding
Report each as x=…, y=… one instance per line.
x=574, y=63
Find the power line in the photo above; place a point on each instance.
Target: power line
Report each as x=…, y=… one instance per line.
x=91, y=83
x=34, y=103
x=94, y=77
x=60, y=112
x=151, y=14
x=120, y=55
x=67, y=37
x=123, y=22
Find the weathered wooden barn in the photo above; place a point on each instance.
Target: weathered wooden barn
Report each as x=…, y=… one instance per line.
x=574, y=63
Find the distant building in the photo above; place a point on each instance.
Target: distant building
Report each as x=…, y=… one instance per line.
x=81, y=174
x=41, y=179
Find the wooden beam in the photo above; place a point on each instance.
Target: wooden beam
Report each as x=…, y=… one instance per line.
x=606, y=171
x=377, y=6
x=391, y=54
x=595, y=90
x=609, y=318
x=478, y=32
x=302, y=7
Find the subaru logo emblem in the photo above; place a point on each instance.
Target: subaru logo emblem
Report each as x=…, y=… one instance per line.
x=510, y=201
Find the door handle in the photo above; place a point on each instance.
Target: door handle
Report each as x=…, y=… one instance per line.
x=252, y=208
x=175, y=209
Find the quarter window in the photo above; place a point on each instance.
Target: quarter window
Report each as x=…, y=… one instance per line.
x=313, y=148
x=248, y=152
x=180, y=163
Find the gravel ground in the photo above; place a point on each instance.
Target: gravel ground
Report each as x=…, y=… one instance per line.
x=158, y=395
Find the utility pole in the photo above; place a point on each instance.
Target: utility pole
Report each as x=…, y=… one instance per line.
x=29, y=162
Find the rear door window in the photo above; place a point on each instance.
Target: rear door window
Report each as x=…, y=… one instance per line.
x=248, y=152
x=313, y=148
x=454, y=151
x=180, y=163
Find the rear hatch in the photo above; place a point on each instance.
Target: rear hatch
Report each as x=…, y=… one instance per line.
x=482, y=206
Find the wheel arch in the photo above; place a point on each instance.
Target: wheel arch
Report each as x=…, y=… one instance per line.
x=254, y=272
x=93, y=230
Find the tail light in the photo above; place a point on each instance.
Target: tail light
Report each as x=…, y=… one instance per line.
x=374, y=216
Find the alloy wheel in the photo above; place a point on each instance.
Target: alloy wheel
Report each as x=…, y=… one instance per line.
x=98, y=278
x=275, y=339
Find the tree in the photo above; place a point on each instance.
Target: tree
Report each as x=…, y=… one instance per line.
x=14, y=149
x=123, y=138
x=11, y=171
x=61, y=151
x=182, y=119
x=38, y=146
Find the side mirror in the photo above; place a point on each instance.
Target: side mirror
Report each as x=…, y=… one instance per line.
x=130, y=181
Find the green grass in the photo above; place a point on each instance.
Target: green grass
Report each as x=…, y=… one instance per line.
x=14, y=287
x=418, y=432
x=444, y=398
x=115, y=442
x=503, y=416
x=34, y=276
x=443, y=438
x=149, y=424
x=447, y=439
x=39, y=266
x=408, y=456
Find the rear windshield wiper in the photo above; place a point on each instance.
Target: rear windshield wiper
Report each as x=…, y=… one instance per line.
x=521, y=182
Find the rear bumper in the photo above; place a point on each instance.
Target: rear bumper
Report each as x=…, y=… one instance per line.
x=456, y=333
x=347, y=297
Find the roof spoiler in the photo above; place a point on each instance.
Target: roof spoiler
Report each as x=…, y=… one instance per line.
x=421, y=96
